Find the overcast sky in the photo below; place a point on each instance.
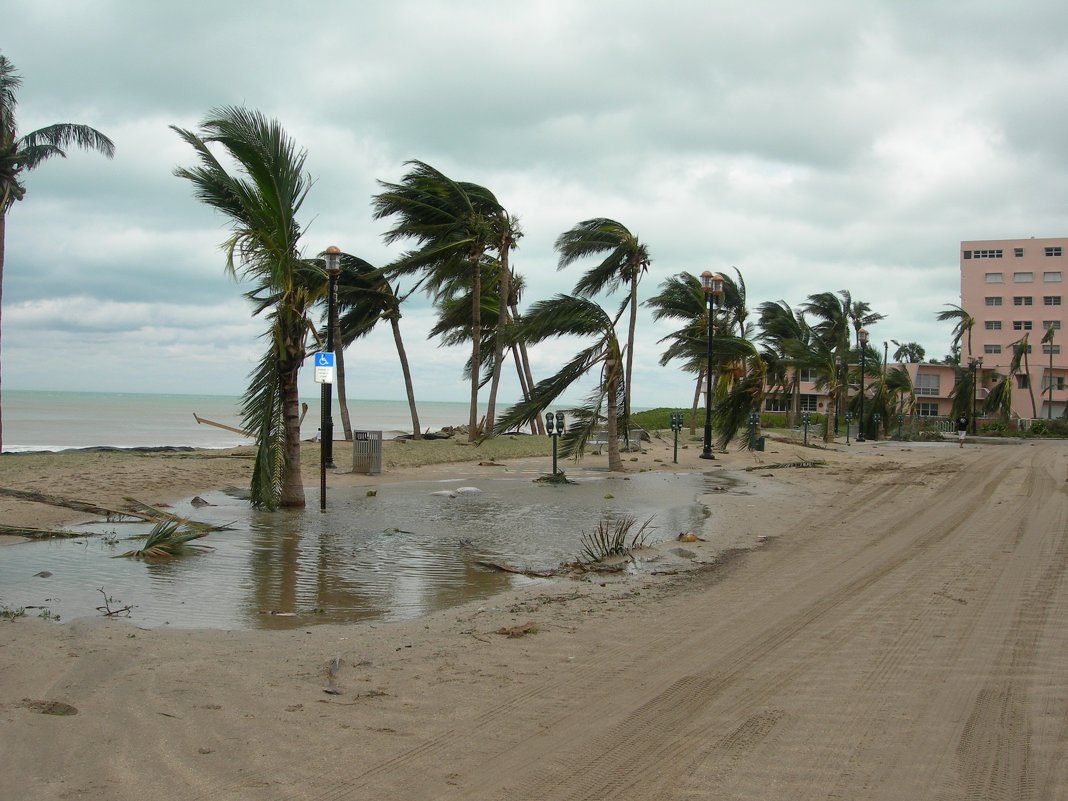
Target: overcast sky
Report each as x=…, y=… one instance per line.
x=814, y=146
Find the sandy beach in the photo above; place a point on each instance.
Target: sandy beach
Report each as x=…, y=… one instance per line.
x=886, y=625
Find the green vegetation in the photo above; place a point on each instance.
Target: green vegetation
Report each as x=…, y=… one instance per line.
x=613, y=537
x=168, y=539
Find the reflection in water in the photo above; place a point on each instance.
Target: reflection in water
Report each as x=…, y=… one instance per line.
x=399, y=554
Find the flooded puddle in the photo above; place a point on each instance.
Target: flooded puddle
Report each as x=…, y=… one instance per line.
x=409, y=550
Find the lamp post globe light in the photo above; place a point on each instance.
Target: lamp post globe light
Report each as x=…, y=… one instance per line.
x=712, y=284
x=862, y=338
x=332, y=265
x=974, y=364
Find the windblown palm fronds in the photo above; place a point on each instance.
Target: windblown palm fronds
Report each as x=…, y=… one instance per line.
x=167, y=540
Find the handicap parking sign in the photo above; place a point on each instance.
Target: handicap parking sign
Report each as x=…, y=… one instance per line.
x=324, y=368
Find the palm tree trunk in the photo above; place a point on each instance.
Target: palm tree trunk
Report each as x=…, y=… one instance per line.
x=476, y=344
x=615, y=462
x=629, y=375
x=523, y=387
x=504, y=292
x=342, y=397
x=526, y=366
x=394, y=322
x=1030, y=385
x=696, y=402
x=292, y=487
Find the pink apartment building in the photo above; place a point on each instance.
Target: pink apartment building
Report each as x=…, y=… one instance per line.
x=1014, y=288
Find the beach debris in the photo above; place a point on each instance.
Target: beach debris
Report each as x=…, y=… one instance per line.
x=106, y=609
x=518, y=570
x=224, y=427
x=199, y=502
x=689, y=536
x=372, y=493
x=112, y=515
x=444, y=493
x=333, y=667
x=276, y=613
x=156, y=515
x=43, y=574
x=490, y=464
x=465, y=542
x=522, y=630
x=468, y=491
x=39, y=533
x=49, y=707
x=784, y=465
x=396, y=530
x=167, y=539
x=613, y=537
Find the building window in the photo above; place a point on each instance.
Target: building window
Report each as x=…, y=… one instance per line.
x=1022, y=300
x=994, y=278
x=926, y=409
x=983, y=254
x=808, y=403
x=1058, y=382
x=1054, y=251
x=776, y=404
x=1051, y=300
x=1023, y=381
x=1022, y=325
x=1054, y=324
x=1051, y=350
x=991, y=348
x=1017, y=252
x=927, y=384
x=1051, y=278
x=807, y=374
x=993, y=301
x=993, y=325
x=1023, y=278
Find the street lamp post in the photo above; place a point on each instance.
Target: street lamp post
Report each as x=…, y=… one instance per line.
x=974, y=364
x=838, y=390
x=848, y=421
x=554, y=431
x=332, y=262
x=676, y=426
x=713, y=288
x=862, y=338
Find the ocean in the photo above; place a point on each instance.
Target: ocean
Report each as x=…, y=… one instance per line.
x=53, y=421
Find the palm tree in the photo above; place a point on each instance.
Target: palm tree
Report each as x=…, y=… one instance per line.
x=911, y=352
x=963, y=327
x=454, y=224
x=262, y=199
x=1047, y=340
x=364, y=298
x=999, y=400
x=682, y=298
x=571, y=315
x=21, y=154
x=787, y=343
x=625, y=259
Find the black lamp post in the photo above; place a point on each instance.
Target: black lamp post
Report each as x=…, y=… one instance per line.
x=676, y=426
x=554, y=431
x=974, y=364
x=332, y=262
x=862, y=338
x=713, y=287
x=848, y=421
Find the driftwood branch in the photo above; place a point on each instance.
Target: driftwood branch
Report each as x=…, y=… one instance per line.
x=517, y=570
x=67, y=503
x=39, y=533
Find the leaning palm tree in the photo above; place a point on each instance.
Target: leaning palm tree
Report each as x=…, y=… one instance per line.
x=963, y=324
x=364, y=298
x=1047, y=340
x=999, y=400
x=570, y=315
x=21, y=154
x=681, y=298
x=787, y=343
x=262, y=198
x=625, y=258
x=448, y=221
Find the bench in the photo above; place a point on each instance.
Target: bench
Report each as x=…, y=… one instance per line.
x=599, y=440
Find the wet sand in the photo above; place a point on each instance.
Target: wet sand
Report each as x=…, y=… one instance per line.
x=886, y=626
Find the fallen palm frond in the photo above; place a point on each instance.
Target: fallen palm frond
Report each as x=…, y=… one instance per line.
x=613, y=537
x=782, y=465
x=168, y=539
x=153, y=513
x=39, y=533
x=519, y=570
x=112, y=515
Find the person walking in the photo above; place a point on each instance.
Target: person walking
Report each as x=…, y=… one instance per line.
x=962, y=428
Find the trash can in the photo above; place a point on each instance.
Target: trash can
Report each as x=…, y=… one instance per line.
x=760, y=444
x=367, y=452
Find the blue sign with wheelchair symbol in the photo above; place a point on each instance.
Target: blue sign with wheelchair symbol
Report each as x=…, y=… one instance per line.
x=324, y=359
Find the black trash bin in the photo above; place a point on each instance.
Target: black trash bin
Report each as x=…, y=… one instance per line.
x=760, y=444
